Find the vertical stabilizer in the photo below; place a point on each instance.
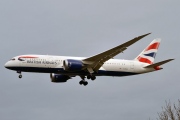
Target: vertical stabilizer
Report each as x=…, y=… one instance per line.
x=149, y=53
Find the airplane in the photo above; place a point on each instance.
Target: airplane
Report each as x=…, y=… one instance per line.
x=63, y=68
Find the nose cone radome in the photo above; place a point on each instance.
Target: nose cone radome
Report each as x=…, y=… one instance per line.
x=7, y=65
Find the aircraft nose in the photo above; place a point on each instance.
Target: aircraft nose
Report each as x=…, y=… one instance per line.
x=7, y=65
x=10, y=65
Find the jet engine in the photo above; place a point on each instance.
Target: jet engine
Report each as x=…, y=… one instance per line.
x=57, y=78
x=72, y=65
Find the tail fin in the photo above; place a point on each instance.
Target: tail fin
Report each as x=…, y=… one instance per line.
x=149, y=53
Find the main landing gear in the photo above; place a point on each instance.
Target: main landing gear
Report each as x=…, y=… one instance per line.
x=92, y=77
x=20, y=75
x=84, y=82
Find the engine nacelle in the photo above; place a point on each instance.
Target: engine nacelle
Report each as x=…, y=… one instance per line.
x=57, y=78
x=72, y=65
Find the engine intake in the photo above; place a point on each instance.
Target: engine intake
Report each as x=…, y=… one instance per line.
x=72, y=65
x=57, y=78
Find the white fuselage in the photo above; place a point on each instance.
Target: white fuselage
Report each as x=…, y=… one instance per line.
x=54, y=64
x=63, y=68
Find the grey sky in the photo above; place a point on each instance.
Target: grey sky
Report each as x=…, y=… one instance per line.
x=85, y=28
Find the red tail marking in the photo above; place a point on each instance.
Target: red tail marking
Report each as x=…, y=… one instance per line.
x=144, y=60
x=153, y=46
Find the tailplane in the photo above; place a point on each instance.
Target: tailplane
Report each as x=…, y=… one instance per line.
x=149, y=53
x=157, y=65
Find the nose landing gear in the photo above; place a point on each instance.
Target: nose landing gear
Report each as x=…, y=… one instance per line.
x=20, y=75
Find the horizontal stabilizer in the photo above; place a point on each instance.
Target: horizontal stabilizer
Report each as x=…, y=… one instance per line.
x=158, y=64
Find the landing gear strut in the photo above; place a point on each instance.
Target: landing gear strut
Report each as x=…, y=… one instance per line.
x=20, y=76
x=83, y=81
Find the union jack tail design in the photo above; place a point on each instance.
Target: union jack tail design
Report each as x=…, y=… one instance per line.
x=149, y=53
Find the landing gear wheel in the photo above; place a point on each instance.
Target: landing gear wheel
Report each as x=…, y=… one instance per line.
x=93, y=77
x=85, y=83
x=88, y=77
x=81, y=82
x=20, y=76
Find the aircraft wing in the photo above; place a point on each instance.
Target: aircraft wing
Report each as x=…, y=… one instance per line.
x=95, y=62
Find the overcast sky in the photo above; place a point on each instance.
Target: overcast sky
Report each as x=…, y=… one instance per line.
x=85, y=28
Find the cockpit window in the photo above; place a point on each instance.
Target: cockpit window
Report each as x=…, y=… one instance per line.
x=13, y=59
